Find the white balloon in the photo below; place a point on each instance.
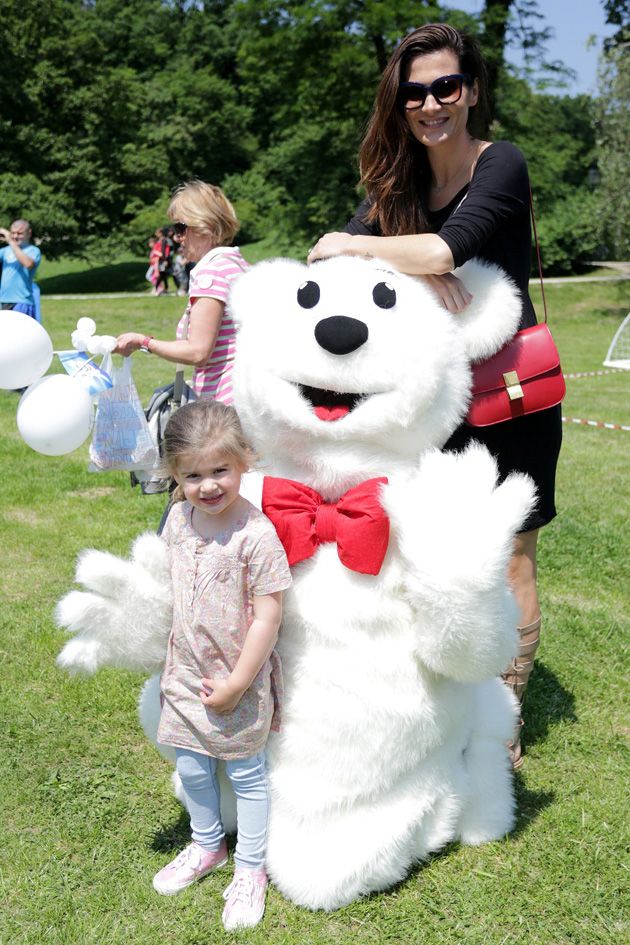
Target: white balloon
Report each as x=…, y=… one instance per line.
x=79, y=341
x=86, y=326
x=54, y=415
x=102, y=344
x=25, y=350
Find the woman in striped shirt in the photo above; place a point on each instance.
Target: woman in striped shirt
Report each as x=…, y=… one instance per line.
x=204, y=225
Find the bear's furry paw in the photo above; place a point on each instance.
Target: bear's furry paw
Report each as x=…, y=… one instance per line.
x=123, y=617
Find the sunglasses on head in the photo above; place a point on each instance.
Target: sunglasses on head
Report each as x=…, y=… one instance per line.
x=446, y=91
x=179, y=228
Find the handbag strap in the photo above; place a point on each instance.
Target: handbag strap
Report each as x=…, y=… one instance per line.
x=540, y=272
x=178, y=386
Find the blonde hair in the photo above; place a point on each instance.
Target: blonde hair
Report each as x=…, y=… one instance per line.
x=203, y=425
x=205, y=207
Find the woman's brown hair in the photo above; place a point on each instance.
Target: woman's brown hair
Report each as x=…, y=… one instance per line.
x=394, y=166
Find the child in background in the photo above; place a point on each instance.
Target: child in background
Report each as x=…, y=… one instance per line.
x=222, y=684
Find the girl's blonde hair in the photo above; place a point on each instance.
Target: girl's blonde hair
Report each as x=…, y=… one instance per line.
x=205, y=207
x=202, y=425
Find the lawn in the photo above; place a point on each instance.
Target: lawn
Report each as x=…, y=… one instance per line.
x=88, y=810
x=126, y=273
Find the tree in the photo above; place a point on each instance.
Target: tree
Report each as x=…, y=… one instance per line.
x=613, y=134
x=618, y=14
x=106, y=106
x=494, y=18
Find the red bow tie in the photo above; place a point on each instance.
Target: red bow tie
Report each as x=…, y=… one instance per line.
x=303, y=521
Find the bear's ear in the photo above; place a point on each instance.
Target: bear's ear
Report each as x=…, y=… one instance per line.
x=493, y=316
x=264, y=287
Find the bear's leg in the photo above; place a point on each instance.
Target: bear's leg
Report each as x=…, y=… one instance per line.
x=149, y=710
x=488, y=813
x=329, y=859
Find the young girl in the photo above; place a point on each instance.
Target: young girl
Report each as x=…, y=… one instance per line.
x=222, y=683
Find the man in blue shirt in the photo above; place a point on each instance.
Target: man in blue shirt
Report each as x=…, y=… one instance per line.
x=19, y=260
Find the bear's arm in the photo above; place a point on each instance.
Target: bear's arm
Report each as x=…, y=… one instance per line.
x=123, y=617
x=455, y=530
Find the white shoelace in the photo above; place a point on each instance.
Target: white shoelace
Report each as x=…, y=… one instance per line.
x=190, y=856
x=241, y=889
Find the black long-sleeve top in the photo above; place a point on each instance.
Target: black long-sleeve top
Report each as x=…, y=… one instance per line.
x=488, y=218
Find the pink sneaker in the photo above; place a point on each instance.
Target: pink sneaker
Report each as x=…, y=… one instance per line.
x=189, y=866
x=245, y=897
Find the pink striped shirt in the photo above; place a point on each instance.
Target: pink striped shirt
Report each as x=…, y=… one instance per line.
x=211, y=278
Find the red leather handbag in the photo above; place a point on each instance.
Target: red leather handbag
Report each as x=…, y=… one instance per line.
x=524, y=377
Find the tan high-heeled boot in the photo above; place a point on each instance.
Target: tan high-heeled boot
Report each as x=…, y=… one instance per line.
x=516, y=676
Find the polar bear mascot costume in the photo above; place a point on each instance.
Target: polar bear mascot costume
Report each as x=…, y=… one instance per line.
x=349, y=377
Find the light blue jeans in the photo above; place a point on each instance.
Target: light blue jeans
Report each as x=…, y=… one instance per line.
x=198, y=775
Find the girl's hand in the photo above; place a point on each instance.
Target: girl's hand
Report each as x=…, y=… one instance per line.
x=220, y=695
x=128, y=343
x=450, y=290
x=331, y=244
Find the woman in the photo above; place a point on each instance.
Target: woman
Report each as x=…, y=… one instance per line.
x=439, y=193
x=204, y=226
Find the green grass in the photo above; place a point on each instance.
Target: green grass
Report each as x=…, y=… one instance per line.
x=88, y=811
x=124, y=274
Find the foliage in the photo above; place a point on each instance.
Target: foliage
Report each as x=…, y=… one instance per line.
x=567, y=234
x=528, y=31
x=618, y=14
x=613, y=129
x=105, y=107
x=560, y=167
x=89, y=810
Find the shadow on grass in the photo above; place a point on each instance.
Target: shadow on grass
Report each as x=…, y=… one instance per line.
x=174, y=837
x=115, y=277
x=529, y=805
x=546, y=704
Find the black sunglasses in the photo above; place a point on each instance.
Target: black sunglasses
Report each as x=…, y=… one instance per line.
x=446, y=91
x=179, y=228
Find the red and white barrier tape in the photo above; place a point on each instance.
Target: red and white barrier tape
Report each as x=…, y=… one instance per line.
x=595, y=423
x=594, y=373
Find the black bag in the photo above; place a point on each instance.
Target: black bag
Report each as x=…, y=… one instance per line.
x=164, y=401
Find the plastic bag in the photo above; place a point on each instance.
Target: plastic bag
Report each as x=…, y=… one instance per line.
x=121, y=437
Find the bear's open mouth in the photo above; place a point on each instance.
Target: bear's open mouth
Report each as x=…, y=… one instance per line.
x=329, y=405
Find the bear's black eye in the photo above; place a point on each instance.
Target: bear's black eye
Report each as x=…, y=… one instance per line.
x=384, y=295
x=308, y=294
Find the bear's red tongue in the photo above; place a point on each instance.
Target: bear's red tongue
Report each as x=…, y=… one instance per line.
x=331, y=413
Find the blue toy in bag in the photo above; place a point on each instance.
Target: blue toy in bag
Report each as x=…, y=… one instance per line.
x=121, y=437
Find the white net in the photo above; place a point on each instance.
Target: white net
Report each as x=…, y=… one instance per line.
x=619, y=352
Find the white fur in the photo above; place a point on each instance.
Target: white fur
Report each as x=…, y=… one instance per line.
x=123, y=618
x=393, y=740
x=394, y=731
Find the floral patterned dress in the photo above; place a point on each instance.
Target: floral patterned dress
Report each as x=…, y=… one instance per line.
x=214, y=582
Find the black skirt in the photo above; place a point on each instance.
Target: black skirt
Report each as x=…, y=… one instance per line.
x=528, y=444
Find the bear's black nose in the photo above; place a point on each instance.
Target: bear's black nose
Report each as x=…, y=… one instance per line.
x=341, y=335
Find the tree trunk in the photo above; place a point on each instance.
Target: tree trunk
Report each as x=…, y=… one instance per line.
x=494, y=18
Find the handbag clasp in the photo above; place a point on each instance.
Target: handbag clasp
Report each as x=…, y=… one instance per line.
x=513, y=385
